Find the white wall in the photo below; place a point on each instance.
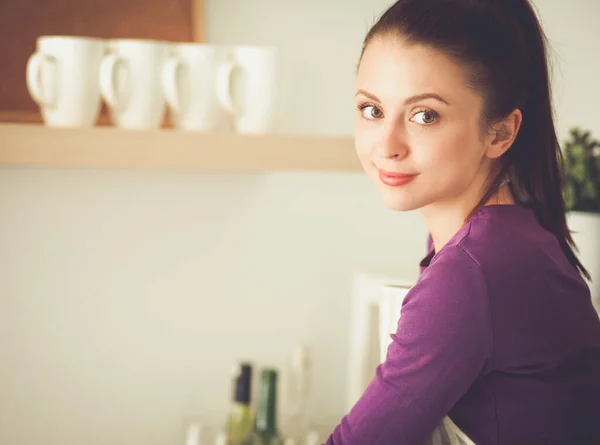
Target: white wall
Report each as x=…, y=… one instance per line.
x=575, y=42
x=126, y=296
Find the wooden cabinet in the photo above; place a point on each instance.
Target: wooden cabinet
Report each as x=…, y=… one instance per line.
x=22, y=21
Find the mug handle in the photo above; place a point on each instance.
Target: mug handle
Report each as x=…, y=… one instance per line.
x=35, y=65
x=169, y=83
x=108, y=80
x=223, y=87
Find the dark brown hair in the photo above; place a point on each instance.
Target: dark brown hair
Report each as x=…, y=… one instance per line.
x=502, y=47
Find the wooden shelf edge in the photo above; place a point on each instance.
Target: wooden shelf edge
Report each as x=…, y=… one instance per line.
x=168, y=149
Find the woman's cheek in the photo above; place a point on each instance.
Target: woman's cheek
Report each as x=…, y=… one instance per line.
x=365, y=139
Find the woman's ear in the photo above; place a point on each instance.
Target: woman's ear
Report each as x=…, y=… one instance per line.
x=503, y=133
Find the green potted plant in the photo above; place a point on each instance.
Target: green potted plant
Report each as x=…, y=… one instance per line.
x=582, y=172
x=582, y=197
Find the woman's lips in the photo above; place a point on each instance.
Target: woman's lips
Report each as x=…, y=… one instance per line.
x=395, y=179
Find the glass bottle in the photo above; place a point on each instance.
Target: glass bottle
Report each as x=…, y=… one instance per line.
x=265, y=427
x=239, y=420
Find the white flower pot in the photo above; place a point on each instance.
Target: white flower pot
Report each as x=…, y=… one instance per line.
x=586, y=234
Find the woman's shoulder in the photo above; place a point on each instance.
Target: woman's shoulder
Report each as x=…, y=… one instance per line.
x=519, y=267
x=507, y=248
x=507, y=236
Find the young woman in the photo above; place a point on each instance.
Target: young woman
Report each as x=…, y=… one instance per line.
x=498, y=342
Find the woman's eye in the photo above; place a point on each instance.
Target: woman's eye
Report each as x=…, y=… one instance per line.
x=371, y=112
x=427, y=117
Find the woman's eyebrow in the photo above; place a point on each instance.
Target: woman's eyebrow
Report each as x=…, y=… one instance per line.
x=408, y=101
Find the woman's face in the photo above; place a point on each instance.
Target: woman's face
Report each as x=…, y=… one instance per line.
x=418, y=132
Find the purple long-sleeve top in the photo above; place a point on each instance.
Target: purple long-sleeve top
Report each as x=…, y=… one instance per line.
x=499, y=334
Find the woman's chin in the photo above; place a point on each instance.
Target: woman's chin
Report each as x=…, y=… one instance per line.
x=398, y=201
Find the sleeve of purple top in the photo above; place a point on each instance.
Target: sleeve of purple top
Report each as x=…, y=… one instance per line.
x=441, y=346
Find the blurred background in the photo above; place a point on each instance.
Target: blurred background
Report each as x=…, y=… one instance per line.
x=126, y=296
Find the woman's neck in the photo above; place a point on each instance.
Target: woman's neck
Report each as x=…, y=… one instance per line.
x=443, y=220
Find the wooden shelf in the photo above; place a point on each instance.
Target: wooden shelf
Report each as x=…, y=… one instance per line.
x=167, y=149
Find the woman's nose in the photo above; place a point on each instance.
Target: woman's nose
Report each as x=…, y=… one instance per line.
x=393, y=143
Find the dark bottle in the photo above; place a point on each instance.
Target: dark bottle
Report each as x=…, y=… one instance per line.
x=265, y=427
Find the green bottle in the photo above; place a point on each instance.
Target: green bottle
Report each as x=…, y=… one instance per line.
x=265, y=427
x=239, y=421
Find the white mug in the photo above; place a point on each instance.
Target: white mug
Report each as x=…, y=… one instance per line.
x=130, y=82
x=62, y=78
x=189, y=77
x=247, y=87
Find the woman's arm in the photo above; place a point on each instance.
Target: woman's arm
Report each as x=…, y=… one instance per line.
x=442, y=344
